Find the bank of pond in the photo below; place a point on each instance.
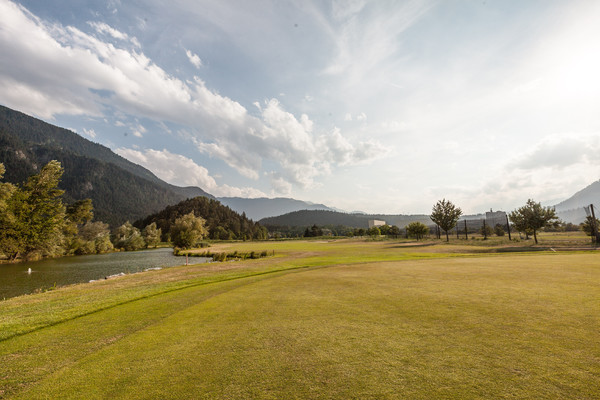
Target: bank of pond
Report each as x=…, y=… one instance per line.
x=29, y=277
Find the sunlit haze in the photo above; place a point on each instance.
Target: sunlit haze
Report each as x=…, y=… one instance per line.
x=377, y=106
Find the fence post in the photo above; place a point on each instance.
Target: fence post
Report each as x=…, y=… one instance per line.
x=484, y=231
x=593, y=226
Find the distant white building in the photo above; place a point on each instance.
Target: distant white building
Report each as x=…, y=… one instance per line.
x=375, y=222
x=493, y=218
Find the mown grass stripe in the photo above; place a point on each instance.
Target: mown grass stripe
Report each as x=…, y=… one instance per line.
x=151, y=295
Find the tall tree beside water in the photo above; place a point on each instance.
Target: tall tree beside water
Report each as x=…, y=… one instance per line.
x=188, y=230
x=151, y=235
x=8, y=243
x=94, y=238
x=35, y=216
x=34, y=222
x=128, y=237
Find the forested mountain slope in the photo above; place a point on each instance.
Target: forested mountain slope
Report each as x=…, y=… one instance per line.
x=221, y=221
x=120, y=190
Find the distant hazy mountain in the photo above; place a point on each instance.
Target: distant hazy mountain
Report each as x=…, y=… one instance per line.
x=264, y=207
x=120, y=190
x=571, y=210
x=324, y=217
x=585, y=197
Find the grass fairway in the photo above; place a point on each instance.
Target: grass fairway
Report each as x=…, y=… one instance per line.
x=383, y=321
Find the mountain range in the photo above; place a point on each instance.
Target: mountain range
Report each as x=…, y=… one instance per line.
x=336, y=218
x=121, y=190
x=571, y=209
x=264, y=207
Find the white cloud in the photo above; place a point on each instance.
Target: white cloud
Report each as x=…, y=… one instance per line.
x=343, y=10
x=561, y=151
x=280, y=187
x=138, y=131
x=194, y=59
x=394, y=126
x=342, y=152
x=556, y=168
x=182, y=171
x=89, y=133
x=366, y=39
x=77, y=64
x=83, y=74
x=106, y=29
x=281, y=137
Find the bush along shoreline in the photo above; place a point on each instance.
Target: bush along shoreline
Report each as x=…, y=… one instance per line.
x=222, y=256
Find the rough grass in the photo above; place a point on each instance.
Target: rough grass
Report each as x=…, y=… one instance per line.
x=395, y=322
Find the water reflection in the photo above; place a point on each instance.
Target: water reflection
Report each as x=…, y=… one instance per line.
x=24, y=278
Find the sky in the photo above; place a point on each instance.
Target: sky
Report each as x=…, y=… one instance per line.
x=374, y=106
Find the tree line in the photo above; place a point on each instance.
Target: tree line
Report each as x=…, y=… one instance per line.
x=528, y=219
x=35, y=223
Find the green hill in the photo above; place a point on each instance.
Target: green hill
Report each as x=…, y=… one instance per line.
x=221, y=221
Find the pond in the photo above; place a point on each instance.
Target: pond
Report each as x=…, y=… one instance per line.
x=17, y=279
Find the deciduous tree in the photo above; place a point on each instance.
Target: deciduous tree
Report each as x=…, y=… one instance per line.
x=532, y=217
x=8, y=242
x=96, y=237
x=394, y=231
x=445, y=215
x=499, y=230
x=188, y=230
x=38, y=214
x=128, y=237
x=151, y=235
x=77, y=215
x=374, y=231
x=417, y=230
